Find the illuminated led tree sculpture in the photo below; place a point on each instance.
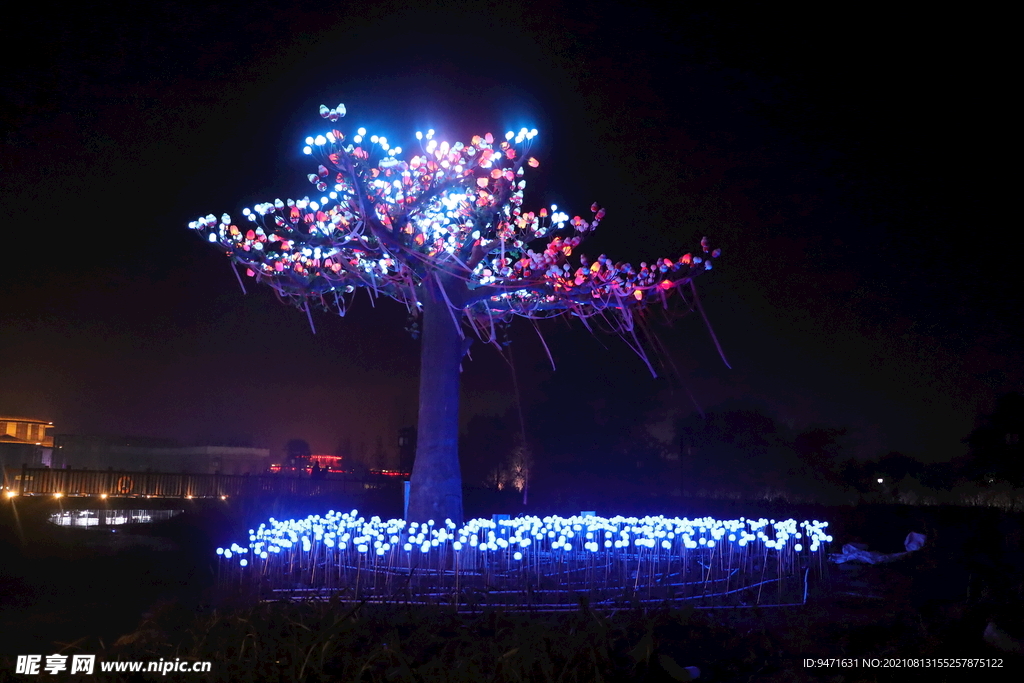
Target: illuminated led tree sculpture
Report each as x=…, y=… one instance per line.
x=443, y=232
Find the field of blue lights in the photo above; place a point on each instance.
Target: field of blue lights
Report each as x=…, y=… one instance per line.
x=531, y=561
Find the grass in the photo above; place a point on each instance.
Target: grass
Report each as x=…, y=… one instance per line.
x=329, y=641
x=319, y=641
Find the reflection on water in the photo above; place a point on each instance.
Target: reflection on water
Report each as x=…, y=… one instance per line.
x=101, y=518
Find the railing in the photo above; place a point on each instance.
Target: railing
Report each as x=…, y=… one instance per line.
x=45, y=481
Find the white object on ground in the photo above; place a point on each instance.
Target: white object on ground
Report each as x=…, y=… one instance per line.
x=1001, y=640
x=858, y=552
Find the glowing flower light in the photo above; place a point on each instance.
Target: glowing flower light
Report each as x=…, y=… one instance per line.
x=654, y=557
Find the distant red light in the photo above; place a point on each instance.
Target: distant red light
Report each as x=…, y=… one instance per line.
x=390, y=473
x=331, y=459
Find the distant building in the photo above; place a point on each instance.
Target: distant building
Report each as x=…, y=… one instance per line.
x=139, y=454
x=307, y=464
x=25, y=440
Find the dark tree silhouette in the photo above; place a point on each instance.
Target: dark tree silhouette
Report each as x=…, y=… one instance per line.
x=895, y=466
x=858, y=475
x=737, y=449
x=996, y=449
x=488, y=442
x=444, y=233
x=344, y=450
x=820, y=449
x=297, y=449
x=381, y=459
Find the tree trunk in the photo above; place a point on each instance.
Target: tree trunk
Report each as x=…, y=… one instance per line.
x=436, y=483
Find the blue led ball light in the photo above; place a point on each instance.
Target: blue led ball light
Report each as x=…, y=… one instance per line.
x=531, y=562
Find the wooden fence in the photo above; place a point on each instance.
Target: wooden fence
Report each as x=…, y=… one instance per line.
x=45, y=481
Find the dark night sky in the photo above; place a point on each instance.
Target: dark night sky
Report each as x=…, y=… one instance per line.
x=849, y=165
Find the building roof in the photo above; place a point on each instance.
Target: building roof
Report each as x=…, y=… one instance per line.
x=33, y=420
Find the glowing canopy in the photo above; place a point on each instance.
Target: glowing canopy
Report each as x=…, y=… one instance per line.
x=450, y=213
